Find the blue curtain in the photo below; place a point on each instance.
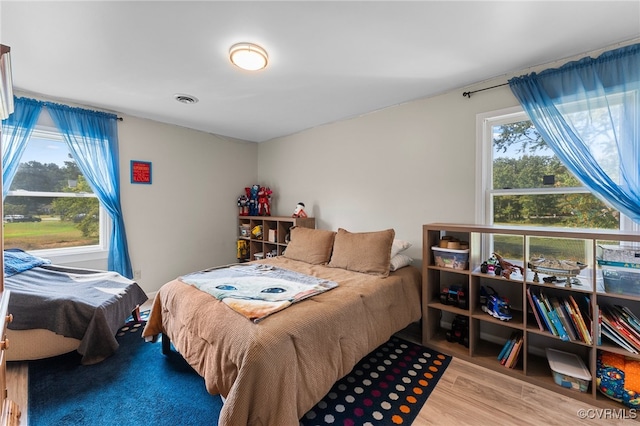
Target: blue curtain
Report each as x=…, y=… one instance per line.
x=16, y=131
x=588, y=112
x=92, y=138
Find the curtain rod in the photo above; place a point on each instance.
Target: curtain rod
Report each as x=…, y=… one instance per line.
x=468, y=94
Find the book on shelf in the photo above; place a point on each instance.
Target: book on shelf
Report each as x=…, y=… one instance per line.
x=506, y=349
x=567, y=323
x=544, y=314
x=619, y=330
x=615, y=338
x=554, y=318
x=515, y=352
x=562, y=316
x=508, y=356
x=534, y=308
x=579, y=320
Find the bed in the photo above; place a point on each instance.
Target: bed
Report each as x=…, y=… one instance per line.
x=272, y=371
x=58, y=309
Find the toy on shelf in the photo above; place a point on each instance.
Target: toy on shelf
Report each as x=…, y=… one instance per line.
x=618, y=377
x=455, y=296
x=253, y=200
x=499, y=266
x=243, y=250
x=496, y=306
x=243, y=205
x=459, y=330
x=264, y=201
x=257, y=232
x=558, y=270
x=299, y=211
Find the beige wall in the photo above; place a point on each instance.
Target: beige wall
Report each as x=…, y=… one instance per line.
x=398, y=168
x=186, y=219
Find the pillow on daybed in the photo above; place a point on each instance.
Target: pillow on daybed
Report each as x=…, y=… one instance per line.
x=368, y=252
x=310, y=245
x=399, y=261
x=399, y=246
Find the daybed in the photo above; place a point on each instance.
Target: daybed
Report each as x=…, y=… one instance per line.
x=271, y=372
x=59, y=309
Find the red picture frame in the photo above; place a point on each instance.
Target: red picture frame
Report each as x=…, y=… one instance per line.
x=141, y=172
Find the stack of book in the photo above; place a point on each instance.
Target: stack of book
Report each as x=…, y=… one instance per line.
x=621, y=326
x=565, y=317
x=511, y=350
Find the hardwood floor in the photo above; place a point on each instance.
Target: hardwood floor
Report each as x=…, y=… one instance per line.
x=465, y=395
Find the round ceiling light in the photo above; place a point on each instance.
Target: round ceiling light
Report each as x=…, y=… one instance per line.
x=248, y=56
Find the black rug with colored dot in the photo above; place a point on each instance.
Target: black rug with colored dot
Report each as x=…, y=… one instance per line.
x=387, y=387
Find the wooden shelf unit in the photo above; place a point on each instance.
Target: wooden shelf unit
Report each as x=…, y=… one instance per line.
x=279, y=225
x=487, y=334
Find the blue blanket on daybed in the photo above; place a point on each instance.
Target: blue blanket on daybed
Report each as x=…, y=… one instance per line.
x=16, y=261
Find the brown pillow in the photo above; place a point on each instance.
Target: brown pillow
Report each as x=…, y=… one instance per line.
x=368, y=252
x=310, y=245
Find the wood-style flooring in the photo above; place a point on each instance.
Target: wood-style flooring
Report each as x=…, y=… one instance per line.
x=465, y=395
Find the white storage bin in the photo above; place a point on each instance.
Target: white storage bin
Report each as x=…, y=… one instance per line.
x=568, y=370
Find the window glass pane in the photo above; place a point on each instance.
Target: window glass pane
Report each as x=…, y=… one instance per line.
x=47, y=166
x=38, y=213
x=39, y=223
x=575, y=210
x=521, y=159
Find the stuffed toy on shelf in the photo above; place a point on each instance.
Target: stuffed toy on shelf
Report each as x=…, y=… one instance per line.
x=299, y=211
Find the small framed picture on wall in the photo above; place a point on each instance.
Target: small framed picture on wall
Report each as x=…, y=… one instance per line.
x=141, y=172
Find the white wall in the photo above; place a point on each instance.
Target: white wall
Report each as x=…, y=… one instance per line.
x=398, y=168
x=186, y=220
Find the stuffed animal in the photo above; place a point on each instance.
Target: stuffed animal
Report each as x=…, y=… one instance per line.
x=299, y=211
x=618, y=377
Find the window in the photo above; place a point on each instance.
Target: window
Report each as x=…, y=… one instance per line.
x=50, y=208
x=524, y=183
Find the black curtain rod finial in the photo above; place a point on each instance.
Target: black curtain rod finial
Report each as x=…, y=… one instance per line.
x=468, y=94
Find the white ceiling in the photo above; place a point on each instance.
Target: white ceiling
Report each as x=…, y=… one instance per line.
x=328, y=60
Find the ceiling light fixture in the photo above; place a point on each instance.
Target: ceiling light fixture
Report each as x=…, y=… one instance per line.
x=185, y=99
x=248, y=56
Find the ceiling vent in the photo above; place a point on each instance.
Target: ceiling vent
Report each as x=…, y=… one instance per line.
x=185, y=99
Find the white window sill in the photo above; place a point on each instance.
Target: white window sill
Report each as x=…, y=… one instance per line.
x=69, y=256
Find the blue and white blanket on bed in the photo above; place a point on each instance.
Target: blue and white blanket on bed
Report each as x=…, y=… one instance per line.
x=257, y=290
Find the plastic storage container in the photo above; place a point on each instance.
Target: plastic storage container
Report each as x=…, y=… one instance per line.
x=568, y=370
x=622, y=254
x=620, y=279
x=451, y=258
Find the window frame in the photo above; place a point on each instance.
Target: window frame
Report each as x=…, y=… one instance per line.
x=484, y=169
x=65, y=255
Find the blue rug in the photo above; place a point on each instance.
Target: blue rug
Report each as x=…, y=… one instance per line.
x=138, y=385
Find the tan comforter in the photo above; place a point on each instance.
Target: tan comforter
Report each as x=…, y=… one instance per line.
x=273, y=372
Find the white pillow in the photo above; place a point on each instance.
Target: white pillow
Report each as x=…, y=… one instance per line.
x=399, y=261
x=399, y=246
